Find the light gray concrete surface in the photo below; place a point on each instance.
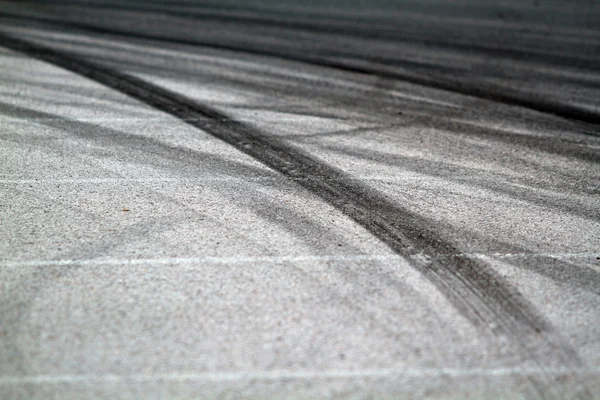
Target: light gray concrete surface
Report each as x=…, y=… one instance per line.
x=142, y=257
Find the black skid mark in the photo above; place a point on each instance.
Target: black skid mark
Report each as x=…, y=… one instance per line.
x=473, y=287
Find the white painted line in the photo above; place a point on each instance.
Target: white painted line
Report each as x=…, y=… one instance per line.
x=197, y=260
x=269, y=259
x=529, y=255
x=298, y=118
x=96, y=119
x=198, y=179
x=299, y=375
x=139, y=180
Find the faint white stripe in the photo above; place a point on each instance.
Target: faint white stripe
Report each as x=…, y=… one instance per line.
x=271, y=259
x=300, y=119
x=299, y=375
x=529, y=255
x=198, y=179
x=197, y=260
x=30, y=120
x=140, y=180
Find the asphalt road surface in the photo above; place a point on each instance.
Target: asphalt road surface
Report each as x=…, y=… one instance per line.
x=299, y=199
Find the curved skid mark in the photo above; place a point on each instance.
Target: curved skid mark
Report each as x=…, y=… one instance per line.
x=471, y=285
x=489, y=92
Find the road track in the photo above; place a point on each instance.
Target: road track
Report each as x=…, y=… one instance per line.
x=469, y=281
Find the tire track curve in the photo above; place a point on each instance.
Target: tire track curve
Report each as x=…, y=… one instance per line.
x=469, y=284
x=478, y=89
x=382, y=32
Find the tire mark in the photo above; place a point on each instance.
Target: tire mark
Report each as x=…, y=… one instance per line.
x=478, y=89
x=388, y=33
x=470, y=285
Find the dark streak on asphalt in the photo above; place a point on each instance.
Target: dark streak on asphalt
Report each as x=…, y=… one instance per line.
x=478, y=89
x=473, y=287
x=382, y=33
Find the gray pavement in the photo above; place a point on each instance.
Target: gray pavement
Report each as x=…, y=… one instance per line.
x=299, y=200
